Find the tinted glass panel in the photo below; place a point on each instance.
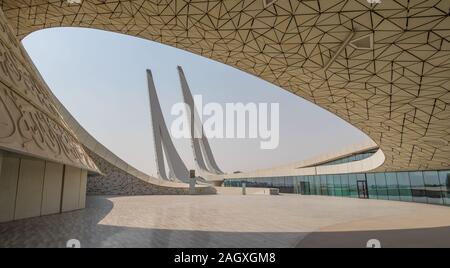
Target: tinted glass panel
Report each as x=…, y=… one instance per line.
x=318, y=187
x=312, y=185
x=323, y=185
x=418, y=187
x=352, y=185
x=301, y=181
x=337, y=185
x=348, y=159
x=372, y=186
x=345, y=186
x=392, y=186
x=444, y=179
x=404, y=186
x=380, y=181
x=297, y=181
x=433, y=187
x=330, y=185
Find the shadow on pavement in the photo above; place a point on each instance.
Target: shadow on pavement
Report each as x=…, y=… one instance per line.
x=85, y=225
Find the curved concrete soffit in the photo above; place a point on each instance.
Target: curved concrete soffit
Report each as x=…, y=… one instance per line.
x=387, y=77
x=369, y=72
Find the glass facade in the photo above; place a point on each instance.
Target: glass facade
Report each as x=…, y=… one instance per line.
x=352, y=158
x=284, y=184
x=431, y=187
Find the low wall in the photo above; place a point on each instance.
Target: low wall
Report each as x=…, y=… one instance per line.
x=115, y=181
x=249, y=191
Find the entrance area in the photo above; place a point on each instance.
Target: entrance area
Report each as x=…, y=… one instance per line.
x=363, y=192
x=304, y=188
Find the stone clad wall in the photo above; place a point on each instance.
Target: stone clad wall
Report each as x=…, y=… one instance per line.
x=30, y=123
x=39, y=146
x=115, y=181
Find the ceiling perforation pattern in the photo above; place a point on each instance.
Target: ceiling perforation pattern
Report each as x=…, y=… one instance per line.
x=398, y=92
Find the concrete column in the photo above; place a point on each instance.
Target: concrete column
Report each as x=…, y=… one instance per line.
x=29, y=188
x=8, y=187
x=71, y=189
x=1, y=161
x=51, y=197
x=83, y=184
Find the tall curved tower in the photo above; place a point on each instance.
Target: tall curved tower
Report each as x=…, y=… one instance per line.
x=203, y=156
x=163, y=142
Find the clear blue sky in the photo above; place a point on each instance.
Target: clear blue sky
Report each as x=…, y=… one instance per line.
x=100, y=77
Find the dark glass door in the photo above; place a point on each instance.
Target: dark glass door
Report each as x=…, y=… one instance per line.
x=304, y=188
x=363, y=191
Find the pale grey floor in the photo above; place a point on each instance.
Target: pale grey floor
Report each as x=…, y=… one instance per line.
x=234, y=221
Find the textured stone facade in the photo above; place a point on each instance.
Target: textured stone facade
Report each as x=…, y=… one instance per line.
x=30, y=124
x=115, y=181
x=393, y=86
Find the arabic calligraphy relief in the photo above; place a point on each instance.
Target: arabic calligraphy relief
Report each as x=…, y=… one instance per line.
x=29, y=121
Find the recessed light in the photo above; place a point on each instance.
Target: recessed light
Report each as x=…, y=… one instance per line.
x=74, y=1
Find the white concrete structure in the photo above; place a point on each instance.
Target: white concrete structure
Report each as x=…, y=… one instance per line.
x=203, y=156
x=313, y=165
x=163, y=142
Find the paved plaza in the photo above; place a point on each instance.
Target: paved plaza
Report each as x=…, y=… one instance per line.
x=235, y=221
